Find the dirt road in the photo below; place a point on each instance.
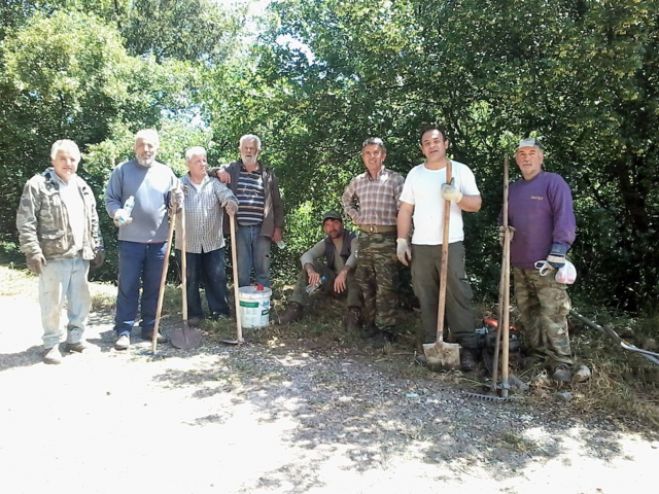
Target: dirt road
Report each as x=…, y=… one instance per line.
x=275, y=418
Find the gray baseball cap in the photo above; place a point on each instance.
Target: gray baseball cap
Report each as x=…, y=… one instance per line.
x=529, y=142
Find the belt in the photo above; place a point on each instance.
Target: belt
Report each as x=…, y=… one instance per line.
x=378, y=228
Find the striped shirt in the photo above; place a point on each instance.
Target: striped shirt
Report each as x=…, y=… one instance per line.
x=203, y=215
x=251, y=198
x=373, y=201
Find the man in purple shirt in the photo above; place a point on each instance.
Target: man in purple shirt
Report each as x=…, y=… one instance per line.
x=541, y=215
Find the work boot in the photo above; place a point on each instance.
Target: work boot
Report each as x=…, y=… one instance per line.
x=77, y=347
x=122, y=343
x=581, y=374
x=148, y=336
x=52, y=355
x=292, y=313
x=352, y=320
x=468, y=360
x=562, y=374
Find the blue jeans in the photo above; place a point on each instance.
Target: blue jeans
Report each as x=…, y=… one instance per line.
x=143, y=263
x=206, y=268
x=253, y=252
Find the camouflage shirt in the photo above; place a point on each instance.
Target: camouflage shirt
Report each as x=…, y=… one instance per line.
x=43, y=222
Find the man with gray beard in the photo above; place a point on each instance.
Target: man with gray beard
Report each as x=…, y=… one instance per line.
x=142, y=245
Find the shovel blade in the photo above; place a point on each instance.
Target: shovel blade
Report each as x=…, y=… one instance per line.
x=442, y=354
x=185, y=338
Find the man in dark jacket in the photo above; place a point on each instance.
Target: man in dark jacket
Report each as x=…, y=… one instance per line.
x=328, y=267
x=260, y=214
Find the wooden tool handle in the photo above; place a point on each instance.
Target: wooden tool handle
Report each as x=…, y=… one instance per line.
x=443, y=273
x=236, y=288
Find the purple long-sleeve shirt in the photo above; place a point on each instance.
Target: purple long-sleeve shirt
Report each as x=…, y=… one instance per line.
x=541, y=211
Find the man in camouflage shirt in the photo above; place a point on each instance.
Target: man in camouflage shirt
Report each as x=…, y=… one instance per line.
x=59, y=234
x=372, y=200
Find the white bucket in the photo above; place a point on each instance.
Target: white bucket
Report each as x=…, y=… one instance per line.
x=254, y=307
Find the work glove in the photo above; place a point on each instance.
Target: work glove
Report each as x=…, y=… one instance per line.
x=36, y=262
x=502, y=229
x=122, y=217
x=556, y=257
x=98, y=260
x=176, y=199
x=450, y=192
x=231, y=207
x=403, y=251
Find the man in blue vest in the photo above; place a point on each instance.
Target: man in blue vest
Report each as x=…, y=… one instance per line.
x=328, y=267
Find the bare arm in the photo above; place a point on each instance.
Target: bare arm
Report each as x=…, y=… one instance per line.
x=404, y=220
x=470, y=204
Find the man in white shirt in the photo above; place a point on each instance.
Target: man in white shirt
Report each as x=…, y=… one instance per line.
x=422, y=200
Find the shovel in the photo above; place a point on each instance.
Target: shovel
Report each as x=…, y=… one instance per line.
x=185, y=338
x=441, y=354
x=236, y=289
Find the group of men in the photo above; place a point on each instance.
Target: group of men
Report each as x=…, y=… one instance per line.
x=59, y=234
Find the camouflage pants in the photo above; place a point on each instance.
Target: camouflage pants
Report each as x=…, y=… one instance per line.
x=377, y=277
x=351, y=293
x=543, y=305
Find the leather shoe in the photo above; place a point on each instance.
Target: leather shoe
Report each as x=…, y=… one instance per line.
x=77, y=347
x=159, y=339
x=52, y=355
x=467, y=359
x=122, y=343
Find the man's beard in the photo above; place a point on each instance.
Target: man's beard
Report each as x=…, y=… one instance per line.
x=146, y=162
x=249, y=161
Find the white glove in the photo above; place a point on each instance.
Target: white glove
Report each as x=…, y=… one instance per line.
x=450, y=192
x=121, y=218
x=231, y=207
x=403, y=251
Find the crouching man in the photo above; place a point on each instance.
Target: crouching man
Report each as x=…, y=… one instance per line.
x=329, y=265
x=59, y=234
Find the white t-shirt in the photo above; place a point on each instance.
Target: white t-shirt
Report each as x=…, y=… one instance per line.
x=422, y=189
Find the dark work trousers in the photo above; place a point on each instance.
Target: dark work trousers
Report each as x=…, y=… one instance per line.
x=206, y=268
x=460, y=314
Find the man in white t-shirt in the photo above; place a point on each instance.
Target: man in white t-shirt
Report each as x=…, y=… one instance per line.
x=422, y=200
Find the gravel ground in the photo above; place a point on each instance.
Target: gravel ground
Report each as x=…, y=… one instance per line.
x=279, y=415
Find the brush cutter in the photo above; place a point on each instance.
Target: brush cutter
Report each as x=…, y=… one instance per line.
x=184, y=338
x=440, y=353
x=236, y=289
x=646, y=354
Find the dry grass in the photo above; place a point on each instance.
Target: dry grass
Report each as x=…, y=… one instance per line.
x=624, y=385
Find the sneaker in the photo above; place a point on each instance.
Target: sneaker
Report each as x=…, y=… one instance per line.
x=581, y=374
x=52, y=355
x=467, y=359
x=352, y=320
x=77, y=347
x=562, y=374
x=160, y=338
x=292, y=313
x=122, y=343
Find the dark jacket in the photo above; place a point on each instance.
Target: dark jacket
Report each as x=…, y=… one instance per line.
x=330, y=249
x=43, y=222
x=273, y=213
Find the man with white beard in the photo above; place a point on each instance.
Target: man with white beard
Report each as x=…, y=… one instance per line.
x=260, y=213
x=142, y=245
